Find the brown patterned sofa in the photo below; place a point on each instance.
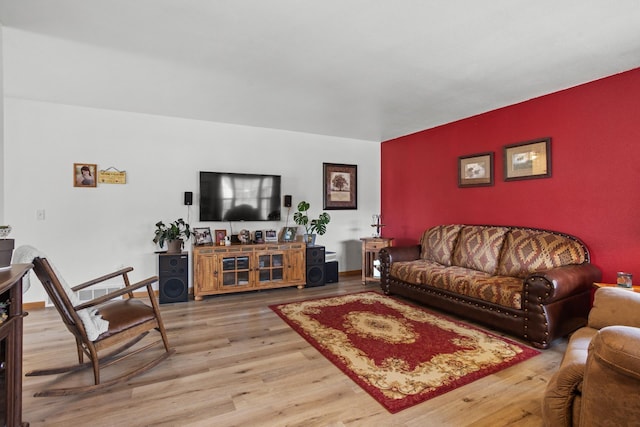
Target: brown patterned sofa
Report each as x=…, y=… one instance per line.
x=534, y=284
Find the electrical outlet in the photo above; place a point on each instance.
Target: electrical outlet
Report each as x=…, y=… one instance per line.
x=40, y=214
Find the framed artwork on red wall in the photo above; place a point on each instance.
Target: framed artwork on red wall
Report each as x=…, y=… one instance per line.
x=527, y=160
x=475, y=170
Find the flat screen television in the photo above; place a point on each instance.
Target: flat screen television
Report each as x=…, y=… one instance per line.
x=239, y=197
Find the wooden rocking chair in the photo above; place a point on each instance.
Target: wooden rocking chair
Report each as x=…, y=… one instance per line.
x=129, y=321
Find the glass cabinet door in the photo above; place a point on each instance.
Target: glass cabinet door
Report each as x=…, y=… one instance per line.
x=270, y=267
x=235, y=271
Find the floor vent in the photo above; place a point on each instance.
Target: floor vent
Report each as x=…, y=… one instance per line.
x=89, y=294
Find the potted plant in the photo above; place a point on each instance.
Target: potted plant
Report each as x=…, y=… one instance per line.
x=6, y=246
x=173, y=234
x=313, y=226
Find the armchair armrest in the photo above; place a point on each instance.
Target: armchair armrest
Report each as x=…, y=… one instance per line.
x=612, y=377
x=120, y=292
x=122, y=272
x=615, y=306
x=561, y=282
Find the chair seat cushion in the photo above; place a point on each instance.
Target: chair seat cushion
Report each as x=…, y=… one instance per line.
x=125, y=314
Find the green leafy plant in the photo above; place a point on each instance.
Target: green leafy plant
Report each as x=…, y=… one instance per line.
x=317, y=225
x=174, y=231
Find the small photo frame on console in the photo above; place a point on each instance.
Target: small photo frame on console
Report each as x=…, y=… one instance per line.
x=202, y=236
x=289, y=234
x=220, y=236
x=270, y=236
x=258, y=236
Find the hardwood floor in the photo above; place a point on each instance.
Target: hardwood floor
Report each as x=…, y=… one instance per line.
x=238, y=364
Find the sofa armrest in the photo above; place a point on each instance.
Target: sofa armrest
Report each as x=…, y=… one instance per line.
x=612, y=377
x=561, y=282
x=393, y=254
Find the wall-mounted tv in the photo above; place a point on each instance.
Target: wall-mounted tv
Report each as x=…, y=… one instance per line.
x=239, y=197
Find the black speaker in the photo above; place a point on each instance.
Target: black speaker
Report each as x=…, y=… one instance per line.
x=331, y=272
x=188, y=198
x=287, y=201
x=315, y=266
x=173, y=277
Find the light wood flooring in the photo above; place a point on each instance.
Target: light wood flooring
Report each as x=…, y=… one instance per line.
x=238, y=364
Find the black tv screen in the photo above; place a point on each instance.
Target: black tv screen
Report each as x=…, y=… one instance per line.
x=239, y=197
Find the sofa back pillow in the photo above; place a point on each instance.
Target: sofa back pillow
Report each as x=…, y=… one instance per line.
x=438, y=242
x=479, y=247
x=527, y=251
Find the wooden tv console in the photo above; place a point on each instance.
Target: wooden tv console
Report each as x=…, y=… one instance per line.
x=249, y=267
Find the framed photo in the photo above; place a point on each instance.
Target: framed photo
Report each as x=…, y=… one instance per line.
x=340, y=186
x=270, y=236
x=202, y=236
x=475, y=170
x=220, y=236
x=258, y=236
x=84, y=174
x=527, y=160
x=289, y=234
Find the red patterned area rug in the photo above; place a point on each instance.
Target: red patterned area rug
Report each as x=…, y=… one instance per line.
x=400, y=354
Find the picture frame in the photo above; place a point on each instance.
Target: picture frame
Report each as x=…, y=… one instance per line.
x=527, y=160
x=202, y=236
x=220, y=237
x=475, y=170
x=85, y=175
x=289, y=234
x=270, y=236
x=258, y=236
x=340, y=186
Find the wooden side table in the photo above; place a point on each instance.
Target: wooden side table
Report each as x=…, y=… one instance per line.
x=635, y=288
x=370, y=248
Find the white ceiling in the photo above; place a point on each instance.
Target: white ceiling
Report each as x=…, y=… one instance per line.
x=365, y=69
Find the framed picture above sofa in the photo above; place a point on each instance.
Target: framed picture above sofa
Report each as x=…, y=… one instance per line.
x=527, y=160
x=475, y=170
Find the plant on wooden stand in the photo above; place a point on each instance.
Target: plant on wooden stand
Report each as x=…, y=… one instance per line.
x=173, y=234
x=313, y=226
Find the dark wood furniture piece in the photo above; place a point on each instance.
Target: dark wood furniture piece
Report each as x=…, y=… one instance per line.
x=130, y=320
x=11, y=345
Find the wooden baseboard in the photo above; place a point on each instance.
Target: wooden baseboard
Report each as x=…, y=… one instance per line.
x=40, y=304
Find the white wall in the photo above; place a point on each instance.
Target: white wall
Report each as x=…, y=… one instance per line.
x=91, y=231
x=1, y=129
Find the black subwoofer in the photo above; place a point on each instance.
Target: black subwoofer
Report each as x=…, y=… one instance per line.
x=173, y=277
x=315, y=266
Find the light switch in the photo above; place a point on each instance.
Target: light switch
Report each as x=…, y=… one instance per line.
x=40, y=214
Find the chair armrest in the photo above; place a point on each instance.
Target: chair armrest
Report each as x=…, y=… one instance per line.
x=122, y=272
x=612, y=377
x=561, y=282
x=615, y=306
x=120, y=292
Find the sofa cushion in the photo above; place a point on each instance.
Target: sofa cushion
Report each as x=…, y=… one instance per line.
x=527, y=251
x=615, y=306
x=413, y=271
x=438, y=243
x=478, y=247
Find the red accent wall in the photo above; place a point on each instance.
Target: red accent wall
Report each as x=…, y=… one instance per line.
x=593, y=193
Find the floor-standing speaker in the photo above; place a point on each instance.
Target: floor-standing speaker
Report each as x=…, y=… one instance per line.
x=315, y=265
x=173, y=277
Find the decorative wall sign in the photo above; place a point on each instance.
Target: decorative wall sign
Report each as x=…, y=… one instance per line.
x=527, y=160
x=475, y=170
x=84, y=175
x=112, y=175
x=340, y=186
